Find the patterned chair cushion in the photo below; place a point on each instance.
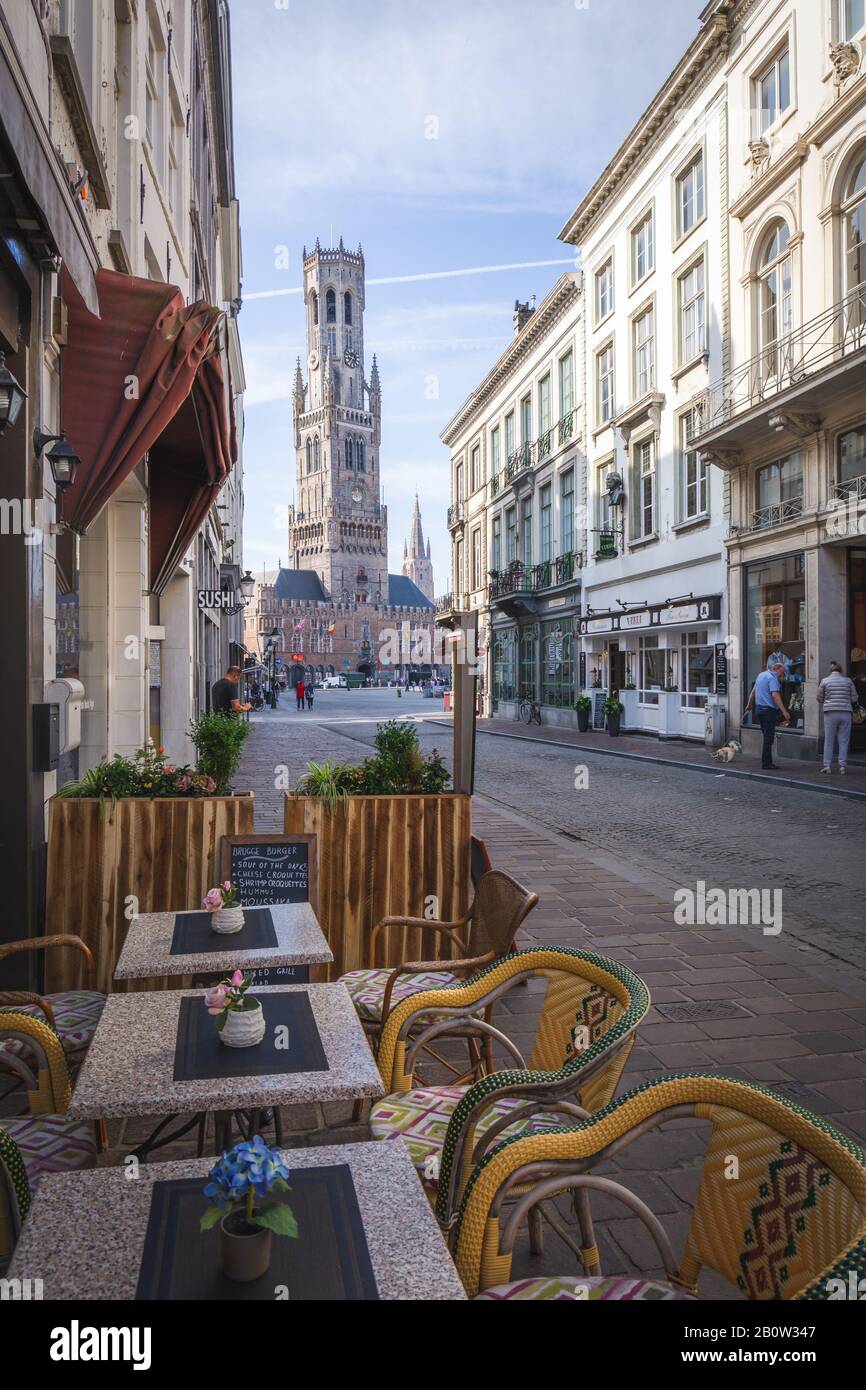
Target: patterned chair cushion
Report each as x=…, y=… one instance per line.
x=586, y=1290
x=367, y=988
x=52, y=1144
x=420, y=1118
x=76, y=1014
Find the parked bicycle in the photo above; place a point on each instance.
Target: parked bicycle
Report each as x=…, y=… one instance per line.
x=529, y=712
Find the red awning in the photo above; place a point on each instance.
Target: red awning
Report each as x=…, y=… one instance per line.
x=146, y=377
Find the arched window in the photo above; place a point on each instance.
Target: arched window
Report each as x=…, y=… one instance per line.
x=314, y=306
x=854, y=239
x=359, y=455
x=331, y=306
x=348, y=453
x=309, y=455
x=316, y=453
x=776, y=304
x=347, y=306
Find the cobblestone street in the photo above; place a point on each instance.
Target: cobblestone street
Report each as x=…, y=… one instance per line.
x=787, y=1011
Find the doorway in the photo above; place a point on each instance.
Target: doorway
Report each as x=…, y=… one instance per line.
x=615, y=667
x=857, y=638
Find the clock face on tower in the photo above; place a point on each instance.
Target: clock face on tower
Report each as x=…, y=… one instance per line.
x=351, y=358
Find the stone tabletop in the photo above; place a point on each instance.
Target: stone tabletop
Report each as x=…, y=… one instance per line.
x=145, y=954
x=129, y=1067
x=84, y=1235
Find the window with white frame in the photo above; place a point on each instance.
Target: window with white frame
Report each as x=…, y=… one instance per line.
x=642, y=249
x=691, y=298
x=175, y=166
x=566, y=384
x=526, y=420
x=544, y=404
x=150, y=97
x=604, y=290
x=854, y=240
x=604, y=508
x=604, y=382
x=511, y=535
x=458, y=482
x=651, y=670
x=694, y=473
x=494, y=452
x=509, y=434
x=644, y=490
x=696, y=661
x=690, y=204
x=567, y=512
x=496, y=543
x=546, y=519
x=526, y=531
x=475, y=469
x=643, y=360
x=475, y=563
x=850, y=19
x=776, y=312
x=771, y=88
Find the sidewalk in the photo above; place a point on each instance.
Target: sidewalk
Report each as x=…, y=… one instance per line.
x=681, y=753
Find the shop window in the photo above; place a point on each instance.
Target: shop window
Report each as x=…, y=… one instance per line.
x=505, y=665
x=697, y=669
x=527, y=663
x=651, y=663
x=557, y=664
x=775, y=621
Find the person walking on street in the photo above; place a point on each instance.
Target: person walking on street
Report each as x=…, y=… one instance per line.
x=309, y=695
x=224, y=696
x=837, y=695
x=299, y=693
x=766, y=697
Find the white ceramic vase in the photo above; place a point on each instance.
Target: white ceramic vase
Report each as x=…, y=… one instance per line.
x=243, y=1027
x=227, y=920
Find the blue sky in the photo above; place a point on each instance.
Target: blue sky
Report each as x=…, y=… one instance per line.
x=333, y=105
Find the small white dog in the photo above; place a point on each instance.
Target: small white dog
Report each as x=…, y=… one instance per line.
x=728, y=752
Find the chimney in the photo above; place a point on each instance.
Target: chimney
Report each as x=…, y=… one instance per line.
x=523, y=313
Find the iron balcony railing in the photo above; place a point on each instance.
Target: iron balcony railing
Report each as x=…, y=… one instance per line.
x=773, y=515
x=444, y=603
x=853, y=489
x=455, y=513
x=533, y=453
x=825, y=340
x=549, y=574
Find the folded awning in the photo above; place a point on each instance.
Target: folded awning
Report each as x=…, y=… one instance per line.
x=145, y=377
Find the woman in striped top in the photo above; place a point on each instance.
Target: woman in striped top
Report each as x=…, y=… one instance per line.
x=838, y=696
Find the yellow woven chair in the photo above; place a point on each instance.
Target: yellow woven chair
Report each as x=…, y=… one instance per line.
x=44, y=1141
x=780, y=1213
x=590, y=1012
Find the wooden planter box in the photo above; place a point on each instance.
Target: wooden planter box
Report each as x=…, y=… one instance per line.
x=164, y=852
x=383, y=856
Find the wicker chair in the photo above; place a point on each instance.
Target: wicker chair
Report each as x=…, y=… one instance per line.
x=487, y=931
x=780, y=1212
x=591, y=1009
x=44, y=1141
x=73, y=1014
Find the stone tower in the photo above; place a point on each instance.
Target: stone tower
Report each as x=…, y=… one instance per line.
x=417, y=564
x=338, y=527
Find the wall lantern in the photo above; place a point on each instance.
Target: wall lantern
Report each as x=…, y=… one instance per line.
x=247, y=586
x=12, y=396
x=61, y=456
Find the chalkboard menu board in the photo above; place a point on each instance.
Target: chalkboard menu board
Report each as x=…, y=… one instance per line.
x=268, y=869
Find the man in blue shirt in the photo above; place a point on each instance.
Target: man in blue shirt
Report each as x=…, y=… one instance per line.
x=766, y=697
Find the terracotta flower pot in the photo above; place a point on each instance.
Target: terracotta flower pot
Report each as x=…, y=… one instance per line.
x=227, y=920
x=244, y=1027
x=245, y=1251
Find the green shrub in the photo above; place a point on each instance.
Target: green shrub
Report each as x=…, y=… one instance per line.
x=218, y=739
x=399, y=768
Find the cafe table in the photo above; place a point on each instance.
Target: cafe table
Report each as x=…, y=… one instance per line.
x=365, y=1231
x=280, y=935
x=159, y=1054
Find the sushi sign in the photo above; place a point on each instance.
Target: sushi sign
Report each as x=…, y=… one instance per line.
x=216, y=598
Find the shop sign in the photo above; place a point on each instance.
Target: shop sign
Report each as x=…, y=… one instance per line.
x=629, y=620
x=720, y=668
x=597, y=625
x=215, y=598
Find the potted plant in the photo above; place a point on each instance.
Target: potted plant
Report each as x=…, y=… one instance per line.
x=241, y=1017
x=584, y=709
x=218, y=739
x=247, y=1190
x=613, y=711
x=224, y=906
x=135, y=834
x=391, y=836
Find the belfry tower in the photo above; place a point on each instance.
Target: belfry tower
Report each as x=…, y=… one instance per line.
x=338, y=527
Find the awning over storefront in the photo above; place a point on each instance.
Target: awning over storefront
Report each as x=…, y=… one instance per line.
x=146, y=377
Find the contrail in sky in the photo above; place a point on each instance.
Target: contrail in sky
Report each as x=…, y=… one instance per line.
x=426, y=275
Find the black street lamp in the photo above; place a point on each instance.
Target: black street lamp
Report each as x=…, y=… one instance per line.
x=61, y=456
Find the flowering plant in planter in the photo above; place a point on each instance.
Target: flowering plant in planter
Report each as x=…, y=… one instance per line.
x=247, y=1190
x=148, y=773
x=230, y=996
x=224, y=895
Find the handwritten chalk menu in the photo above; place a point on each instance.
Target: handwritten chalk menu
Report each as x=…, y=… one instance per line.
x=268, y=869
